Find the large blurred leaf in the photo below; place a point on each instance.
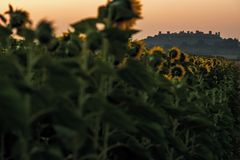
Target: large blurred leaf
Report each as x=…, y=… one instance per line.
x=85, y=25
x=10, y=69
x=4, y=32
x=46, y=153
x=204, y=153
x=153, y=131
x=118, y=40
x=109, y=113
x=12, y=108
x=131, y=150
x=136, y=75
x=94, y=40
x=61, y=80
x=193, y=121
x=3, y=19
x=177, y=143
x=28, y=34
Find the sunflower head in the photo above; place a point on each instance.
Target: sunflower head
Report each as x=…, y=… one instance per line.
x=184, y=57
x=192, y=69
x=174, y=54
x=135, y=7
x=83, y=37
x=208, y=68
x=136, y=49
x=178, y=72
x=156, y=50
x=123, y=14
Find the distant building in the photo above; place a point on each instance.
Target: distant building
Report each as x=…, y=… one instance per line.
x=195, y=42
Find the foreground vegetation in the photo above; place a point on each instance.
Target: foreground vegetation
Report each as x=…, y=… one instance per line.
x=95, y=94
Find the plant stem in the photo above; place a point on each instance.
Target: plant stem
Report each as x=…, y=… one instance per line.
x=24, y=148
x=105, y=142
x=96, y=133
x=83, y=60
x=2, y=147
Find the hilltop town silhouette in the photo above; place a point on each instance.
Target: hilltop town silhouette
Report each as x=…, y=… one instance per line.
x=196, y=42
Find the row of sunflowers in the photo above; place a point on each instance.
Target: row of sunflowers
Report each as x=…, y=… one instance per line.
x=95, y=94
x=174, y=64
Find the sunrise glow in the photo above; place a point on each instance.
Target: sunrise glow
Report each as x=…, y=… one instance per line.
x=158, y=15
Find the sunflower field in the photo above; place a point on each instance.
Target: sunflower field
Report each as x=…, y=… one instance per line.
x=95, y=94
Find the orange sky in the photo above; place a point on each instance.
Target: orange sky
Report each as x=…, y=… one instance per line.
x=159, y=15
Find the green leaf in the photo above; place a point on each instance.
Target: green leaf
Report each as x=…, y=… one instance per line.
x=177, y=143
x=67, y=116
x=46, y=153
x=85, y=25
x=94, y=40
x=153, y=131
x=66, y=81
x=3, y=19
x=136, y=75
x=4, y=32
x=9, y=68
x=131, y=150
x=12, y=109
x=197, y=122
x=118, y=40
x=71, y=138
x=203, y=152
x=28, y=34
x=109, y=113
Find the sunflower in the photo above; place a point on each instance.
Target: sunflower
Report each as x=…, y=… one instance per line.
x=219, y=63
x=192, y=69
x=136, y=8
x=210, y=63
x=156, y=50
x=175, y=54
x=168, y=77
x=178, y=72
x=136, y=49
x=83, y=37
x=187, y=58
x=122, y=63
x=208, y=68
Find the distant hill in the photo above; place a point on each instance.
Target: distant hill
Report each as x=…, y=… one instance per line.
x=197, y=43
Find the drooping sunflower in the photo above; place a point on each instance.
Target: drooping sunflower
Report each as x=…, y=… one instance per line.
x=156, y=50
x=210, y=63
x=136, y=49
x=174, y=54
x=192, y=69
x=136, y=8
x=219, y=63
x=184, y=57
x=178, y=72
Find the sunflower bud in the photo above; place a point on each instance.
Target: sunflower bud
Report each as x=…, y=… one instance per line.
x=44, y=32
